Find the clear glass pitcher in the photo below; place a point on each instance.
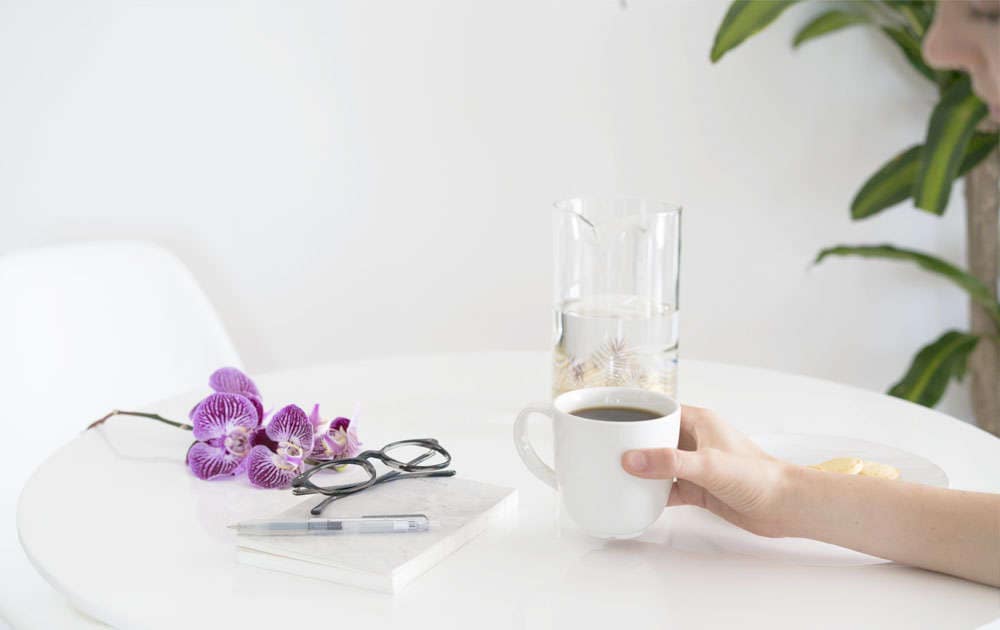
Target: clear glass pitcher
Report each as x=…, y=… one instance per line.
x=616, y=286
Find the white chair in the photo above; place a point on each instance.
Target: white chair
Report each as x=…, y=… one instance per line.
x=84, y=329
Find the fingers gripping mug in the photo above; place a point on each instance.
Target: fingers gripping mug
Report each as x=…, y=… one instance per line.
x=592, y=428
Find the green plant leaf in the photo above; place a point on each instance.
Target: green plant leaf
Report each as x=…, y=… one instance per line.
x=934, y=366
x=743, y=19
x=894, y=182
x=980, y=145
x=908, y=3
x=827, y=23
x=947, y=78
x=952, y=123
x=891, y=184
x=910, y=46
x=918, y=15
x=969, y=283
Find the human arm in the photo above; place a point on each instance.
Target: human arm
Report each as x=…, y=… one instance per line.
x=719, y=469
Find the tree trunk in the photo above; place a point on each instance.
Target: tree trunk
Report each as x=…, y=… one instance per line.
x=982, y=203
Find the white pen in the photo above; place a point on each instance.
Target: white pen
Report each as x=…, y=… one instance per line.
x=375, y=524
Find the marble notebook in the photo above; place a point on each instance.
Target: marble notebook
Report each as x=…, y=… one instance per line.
x=458, y=509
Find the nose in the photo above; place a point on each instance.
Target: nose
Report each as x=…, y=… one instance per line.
x=944, y=46
x=932, y=46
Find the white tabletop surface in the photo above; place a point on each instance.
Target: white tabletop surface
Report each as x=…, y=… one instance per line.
x=115, y=521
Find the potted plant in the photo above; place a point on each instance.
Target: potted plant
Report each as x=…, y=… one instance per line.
x=958, y=143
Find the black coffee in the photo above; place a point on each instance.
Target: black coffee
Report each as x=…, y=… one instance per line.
x=617, y=414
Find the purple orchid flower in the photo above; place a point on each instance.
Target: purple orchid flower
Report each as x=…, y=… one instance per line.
x=335, y=440
x=223, y=424
x=316, y=422
x=280, y=448
x=232, y=381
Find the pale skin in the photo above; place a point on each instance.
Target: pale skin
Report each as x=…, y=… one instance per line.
x=719, y=469
x=965, y=35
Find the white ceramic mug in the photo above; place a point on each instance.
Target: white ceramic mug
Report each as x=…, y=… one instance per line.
x=598, y=494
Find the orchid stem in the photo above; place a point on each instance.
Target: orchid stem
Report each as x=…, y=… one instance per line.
x=141, y=414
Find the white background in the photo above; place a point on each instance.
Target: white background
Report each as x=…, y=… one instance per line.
x=368, y=178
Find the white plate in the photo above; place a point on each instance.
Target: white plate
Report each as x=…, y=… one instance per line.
x=698, y=529
x=813, y=449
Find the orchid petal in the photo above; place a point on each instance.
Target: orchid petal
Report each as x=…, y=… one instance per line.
x=260, y=437
x=340, y=441
x=264, y=468
x=291, y=424
x=233, y=381
x=218, y=414
x=211, y=462
x=259, y=406
x=352, y=445
x=194, y=409
x=314, y=418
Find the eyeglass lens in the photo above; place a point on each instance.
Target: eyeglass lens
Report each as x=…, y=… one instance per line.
x=415, y=455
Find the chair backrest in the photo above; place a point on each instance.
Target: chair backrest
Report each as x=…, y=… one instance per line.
x=90, y=327
x=85, y=328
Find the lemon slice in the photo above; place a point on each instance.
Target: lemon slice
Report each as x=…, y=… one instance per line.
x=842, y=465
x=882, y=471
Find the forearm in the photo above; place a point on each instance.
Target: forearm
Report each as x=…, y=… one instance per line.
x=950, y=531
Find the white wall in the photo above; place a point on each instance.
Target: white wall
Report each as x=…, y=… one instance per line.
x=373, y=177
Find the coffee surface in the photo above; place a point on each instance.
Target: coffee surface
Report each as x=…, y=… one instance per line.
x=617, y=414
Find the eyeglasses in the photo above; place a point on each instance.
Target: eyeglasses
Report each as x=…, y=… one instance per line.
x=408, y=459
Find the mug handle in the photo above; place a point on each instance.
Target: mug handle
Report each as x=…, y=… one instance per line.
x=524, y=448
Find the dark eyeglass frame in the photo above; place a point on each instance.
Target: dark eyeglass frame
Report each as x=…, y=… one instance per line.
x=302, y=484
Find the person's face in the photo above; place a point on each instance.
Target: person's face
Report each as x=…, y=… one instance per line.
x=965, y=35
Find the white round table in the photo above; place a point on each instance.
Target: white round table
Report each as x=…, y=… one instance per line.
x=115, y=521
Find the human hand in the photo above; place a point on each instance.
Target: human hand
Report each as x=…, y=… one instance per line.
x=718, y=468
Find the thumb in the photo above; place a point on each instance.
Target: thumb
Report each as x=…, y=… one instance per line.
x=743, y=490
x=709, y=468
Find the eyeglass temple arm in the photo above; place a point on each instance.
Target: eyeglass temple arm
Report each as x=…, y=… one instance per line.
x=316, y=511
x=393, y=476
x=417, y=460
